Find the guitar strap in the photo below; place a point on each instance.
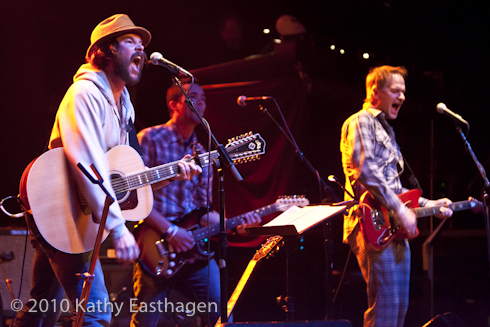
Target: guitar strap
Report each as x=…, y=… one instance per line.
x=133, y=139
x=412, y=180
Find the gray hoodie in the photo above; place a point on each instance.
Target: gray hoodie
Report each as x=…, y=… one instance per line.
x=87, y=126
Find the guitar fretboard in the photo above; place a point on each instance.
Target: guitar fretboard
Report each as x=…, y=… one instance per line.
x=455, y=206
x=241, y=150
x=162, y=172
x=204, y=232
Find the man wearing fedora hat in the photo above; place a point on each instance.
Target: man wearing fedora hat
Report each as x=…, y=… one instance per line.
x=95, y=115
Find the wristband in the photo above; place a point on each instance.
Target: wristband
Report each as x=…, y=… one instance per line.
x=171, y=231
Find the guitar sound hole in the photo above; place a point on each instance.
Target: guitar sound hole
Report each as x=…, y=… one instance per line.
x=127, y=199
x=120, y=186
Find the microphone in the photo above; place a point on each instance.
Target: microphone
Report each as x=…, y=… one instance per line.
x=333, y=179
x=442, y=109
x=242, y=100
x=157, y=59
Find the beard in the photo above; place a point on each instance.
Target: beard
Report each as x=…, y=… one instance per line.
x=121, y=68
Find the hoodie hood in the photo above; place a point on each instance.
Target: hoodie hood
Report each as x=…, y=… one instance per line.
x=99, y=78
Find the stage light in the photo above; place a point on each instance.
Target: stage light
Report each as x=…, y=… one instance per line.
x=332, y=47
x=266, y=31
x=342, y=51
x=365, y=55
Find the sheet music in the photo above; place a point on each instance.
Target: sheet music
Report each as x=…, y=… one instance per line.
x=304, y=218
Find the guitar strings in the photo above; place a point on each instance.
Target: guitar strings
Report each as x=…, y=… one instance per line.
x=130, y=182
x=123, y=183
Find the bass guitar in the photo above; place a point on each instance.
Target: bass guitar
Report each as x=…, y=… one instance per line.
x=378, y=224
x=159, y=259
x=49, y=192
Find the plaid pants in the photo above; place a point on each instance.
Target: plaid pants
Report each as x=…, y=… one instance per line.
x=387, y=276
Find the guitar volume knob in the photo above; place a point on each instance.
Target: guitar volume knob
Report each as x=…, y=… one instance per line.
x=173, y=255
x=171, y=264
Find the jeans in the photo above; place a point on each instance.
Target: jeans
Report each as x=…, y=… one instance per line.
x=54, y=272
x=153, y=291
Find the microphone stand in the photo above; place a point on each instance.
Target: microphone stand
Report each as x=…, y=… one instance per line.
x=486, y=189
x=331, y=197
x=290, y=137
x=223, y=236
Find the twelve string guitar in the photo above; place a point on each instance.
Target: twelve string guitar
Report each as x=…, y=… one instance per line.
x=49, y=192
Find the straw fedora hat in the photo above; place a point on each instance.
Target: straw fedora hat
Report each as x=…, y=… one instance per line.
x=115, y=26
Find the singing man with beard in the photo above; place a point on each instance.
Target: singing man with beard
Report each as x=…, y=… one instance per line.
x=94, y=116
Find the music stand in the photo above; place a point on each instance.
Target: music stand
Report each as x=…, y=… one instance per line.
x=294, y=222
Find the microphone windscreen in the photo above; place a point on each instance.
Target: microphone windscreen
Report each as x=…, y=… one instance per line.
x=155, y=57
x=441, y=107
x=241, y=101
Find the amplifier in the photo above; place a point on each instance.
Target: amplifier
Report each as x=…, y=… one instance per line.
x=12, y=245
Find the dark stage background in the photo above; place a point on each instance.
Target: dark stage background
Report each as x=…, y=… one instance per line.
x=441, y=43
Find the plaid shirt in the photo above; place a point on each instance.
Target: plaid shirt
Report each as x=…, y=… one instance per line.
x=162, y=144
x=370, y=159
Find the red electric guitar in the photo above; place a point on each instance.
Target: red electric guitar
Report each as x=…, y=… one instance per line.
x=378, y=224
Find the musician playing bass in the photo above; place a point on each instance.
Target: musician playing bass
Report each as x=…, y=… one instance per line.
x=372, y=161
x=162, y=144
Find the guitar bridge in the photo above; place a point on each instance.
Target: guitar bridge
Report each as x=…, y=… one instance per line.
x=83, y=203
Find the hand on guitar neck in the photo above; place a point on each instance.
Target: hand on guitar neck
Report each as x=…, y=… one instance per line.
x=249, y=219
x=187, y=169
x=182, y=240
x=444, y=205
x=408, y=219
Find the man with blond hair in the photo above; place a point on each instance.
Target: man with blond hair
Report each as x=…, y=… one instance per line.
x=372, y=162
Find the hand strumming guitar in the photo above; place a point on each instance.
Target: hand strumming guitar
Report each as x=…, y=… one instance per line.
x=181, y=241
x=407, y=219
x=125, y=245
